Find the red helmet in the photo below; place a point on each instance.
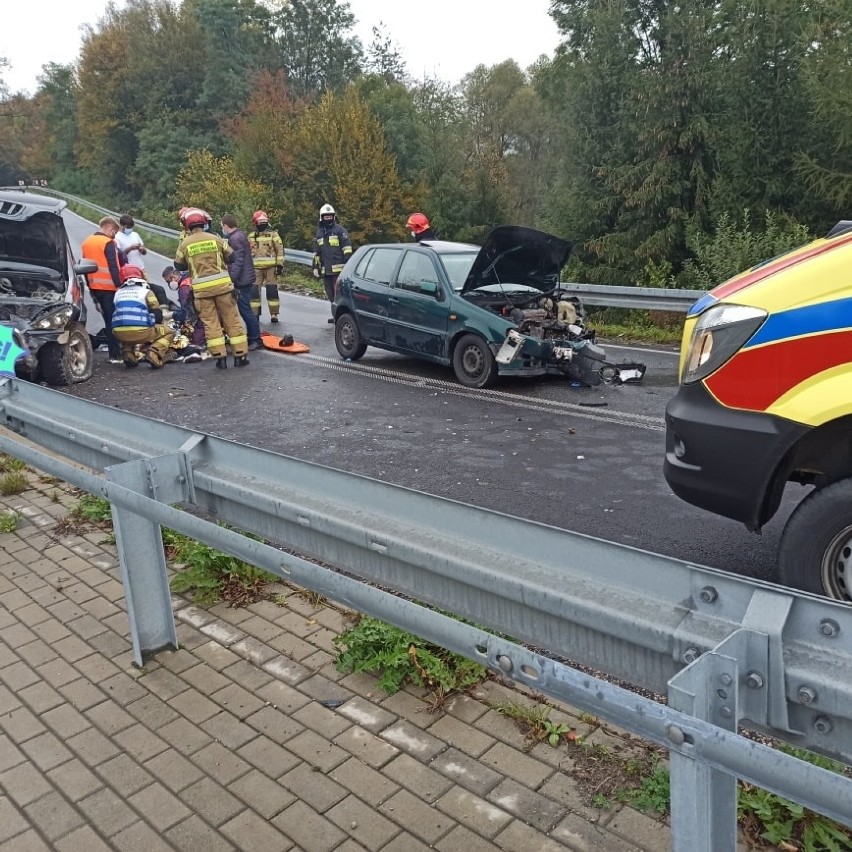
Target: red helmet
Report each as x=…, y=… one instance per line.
x=417, y=222
x=130, y=271
x=260, y=216
x=194, y=218
x=182, y=213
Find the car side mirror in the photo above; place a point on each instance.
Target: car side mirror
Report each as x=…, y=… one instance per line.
x=85, y=267
x=429, y=288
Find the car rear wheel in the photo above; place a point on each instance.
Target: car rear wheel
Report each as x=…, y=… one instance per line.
x=347, y=338
x=473, y=362
x=815, y=553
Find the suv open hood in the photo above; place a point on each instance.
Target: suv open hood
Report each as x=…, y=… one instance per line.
x=34, y=243
x=516, y=255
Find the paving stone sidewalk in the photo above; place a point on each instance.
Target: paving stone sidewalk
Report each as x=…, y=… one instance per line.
x=247, y=737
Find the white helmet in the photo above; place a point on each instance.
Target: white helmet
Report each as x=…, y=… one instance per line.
x=326, y=210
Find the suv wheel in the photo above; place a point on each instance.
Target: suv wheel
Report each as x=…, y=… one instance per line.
x=347, y=338
x=473, y=362
x=68, y=363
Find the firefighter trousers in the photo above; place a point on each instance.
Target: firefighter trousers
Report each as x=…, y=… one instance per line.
x=221, y=317
x=265, y=277
x=152, y=342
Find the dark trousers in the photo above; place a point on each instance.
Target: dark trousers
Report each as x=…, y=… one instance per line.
x=247, y=313
x=105, y=300
x=328, y=283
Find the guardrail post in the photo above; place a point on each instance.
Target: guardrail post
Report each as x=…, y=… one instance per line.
x=703, y=799
x=140, y=553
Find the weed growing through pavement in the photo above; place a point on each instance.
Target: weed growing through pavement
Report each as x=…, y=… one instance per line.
x=535, y=723
x=94, y=509
x=13, y=482
x=9, y=521
x=400, y=658
x=210, y=575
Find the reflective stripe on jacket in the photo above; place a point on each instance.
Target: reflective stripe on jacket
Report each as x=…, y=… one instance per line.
x=206, y=256
x=133, y=306
x=332, y=248
x=103, y=250
x=266, y=249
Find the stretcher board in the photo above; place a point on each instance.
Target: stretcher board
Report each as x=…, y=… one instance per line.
x=277, y=344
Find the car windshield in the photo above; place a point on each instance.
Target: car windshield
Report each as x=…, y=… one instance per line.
x=457, y=265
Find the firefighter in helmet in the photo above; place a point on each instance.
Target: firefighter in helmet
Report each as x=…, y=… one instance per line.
x=420, y=228
x=267, y=253
x=205, y=256
x=332, y=248
x=137, y=321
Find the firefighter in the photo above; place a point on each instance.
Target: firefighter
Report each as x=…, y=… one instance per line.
x=332, y=248
x=205, y=256
x=137, y=322
x=420, y=228
x=267, y=252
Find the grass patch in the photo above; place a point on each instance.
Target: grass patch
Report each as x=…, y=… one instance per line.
x=93, y=509
x=13, y=482
x=9, y=464
x=9, y=521
x=211, y=576
x=400, y=658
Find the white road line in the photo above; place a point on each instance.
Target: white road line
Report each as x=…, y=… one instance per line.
x=529, y=403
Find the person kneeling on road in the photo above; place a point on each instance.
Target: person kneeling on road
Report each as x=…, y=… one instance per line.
x=137, y=322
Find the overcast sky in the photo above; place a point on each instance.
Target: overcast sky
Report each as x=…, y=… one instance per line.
x=437, y=38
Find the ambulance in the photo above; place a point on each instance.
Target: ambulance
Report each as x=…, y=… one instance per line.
x=765, y=399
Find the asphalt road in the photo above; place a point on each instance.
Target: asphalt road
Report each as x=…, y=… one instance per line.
x=588, y=460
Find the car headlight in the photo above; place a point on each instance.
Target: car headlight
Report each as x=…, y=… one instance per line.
x=56, y=319
x=717, y=335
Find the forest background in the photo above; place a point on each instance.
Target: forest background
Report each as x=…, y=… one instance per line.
x=675, y=142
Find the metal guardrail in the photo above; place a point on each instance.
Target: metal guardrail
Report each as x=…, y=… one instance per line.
x=646, y=298
x=727, y=651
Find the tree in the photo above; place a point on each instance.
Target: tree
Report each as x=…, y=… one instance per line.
x=384, y=58
x=340, y=157
x=825, y=163
x=315, y=50
x=57, y=98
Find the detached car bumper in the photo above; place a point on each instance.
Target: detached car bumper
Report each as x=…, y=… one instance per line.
x=721, y=459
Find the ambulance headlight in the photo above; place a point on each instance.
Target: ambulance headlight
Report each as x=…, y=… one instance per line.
x=719, y=333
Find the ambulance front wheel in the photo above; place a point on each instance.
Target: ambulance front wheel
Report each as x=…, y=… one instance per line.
x=815, y=554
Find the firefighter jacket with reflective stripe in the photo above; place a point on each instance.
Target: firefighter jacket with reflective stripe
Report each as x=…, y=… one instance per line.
x=134, y=308
x=266, y=249
x=332, y=248
x=103, y=250
x=206, y=256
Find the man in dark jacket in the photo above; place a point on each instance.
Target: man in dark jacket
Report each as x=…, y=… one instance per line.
x=332, y=248
x=241, y=270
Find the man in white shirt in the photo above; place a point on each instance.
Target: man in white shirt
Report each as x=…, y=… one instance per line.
x=131, y=243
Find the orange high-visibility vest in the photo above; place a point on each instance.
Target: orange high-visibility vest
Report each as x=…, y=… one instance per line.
x=94, y=248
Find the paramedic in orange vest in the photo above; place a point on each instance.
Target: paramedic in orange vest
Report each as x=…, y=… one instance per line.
x=205, y=256
x=101, y=248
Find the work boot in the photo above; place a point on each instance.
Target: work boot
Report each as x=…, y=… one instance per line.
x=241, y=361
x=154, y=360
x=274, y=318
x=129, y=361
x=255, y=345
x=222, y=363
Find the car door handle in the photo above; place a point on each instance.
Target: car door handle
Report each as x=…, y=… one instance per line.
x=393, y=300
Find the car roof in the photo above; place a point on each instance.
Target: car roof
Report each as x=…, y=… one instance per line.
x=21, y=205
x=440, y=246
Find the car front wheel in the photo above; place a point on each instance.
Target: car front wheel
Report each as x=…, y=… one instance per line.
x=815, y=553
x=473, y=362
x=67, y=363
x=347, y=338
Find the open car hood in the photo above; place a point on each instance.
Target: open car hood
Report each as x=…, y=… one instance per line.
x=30, y=281
x=516, y=255
x=36, y=242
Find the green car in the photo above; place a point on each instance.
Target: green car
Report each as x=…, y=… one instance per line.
x=489, y=311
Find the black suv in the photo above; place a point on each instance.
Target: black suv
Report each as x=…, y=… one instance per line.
x=41, y=290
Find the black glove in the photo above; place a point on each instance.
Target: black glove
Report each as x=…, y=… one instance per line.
x=279, y=269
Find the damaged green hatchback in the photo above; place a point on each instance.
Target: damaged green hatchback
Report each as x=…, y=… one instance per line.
x=495, y=310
